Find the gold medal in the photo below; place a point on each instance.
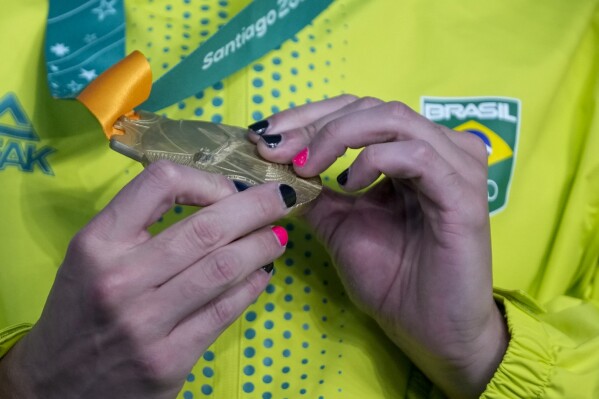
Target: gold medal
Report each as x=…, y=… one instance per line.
x=210, y=147
x=147, y=137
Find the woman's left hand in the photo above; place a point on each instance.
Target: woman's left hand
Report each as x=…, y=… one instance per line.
x=413, y=251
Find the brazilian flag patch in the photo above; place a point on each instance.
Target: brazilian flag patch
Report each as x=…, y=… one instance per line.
x=496, y=120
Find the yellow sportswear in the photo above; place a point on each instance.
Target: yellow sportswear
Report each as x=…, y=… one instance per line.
x=520, y=73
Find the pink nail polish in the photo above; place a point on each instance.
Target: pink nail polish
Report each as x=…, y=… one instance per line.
x=281, y=234
x=301, y=158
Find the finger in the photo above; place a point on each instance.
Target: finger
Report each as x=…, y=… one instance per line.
x=218, y=272
x=153, y=192
x=471, y=143
x=194, y=334
x=281, y=148
x=298, y=116
x=384, y=123
x=215, y=226
x=415, y=160
x=327, y=211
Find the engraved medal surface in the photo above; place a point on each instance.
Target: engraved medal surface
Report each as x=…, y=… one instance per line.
x=210, y=147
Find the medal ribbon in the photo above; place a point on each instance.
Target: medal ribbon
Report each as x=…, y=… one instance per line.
x=253, y=32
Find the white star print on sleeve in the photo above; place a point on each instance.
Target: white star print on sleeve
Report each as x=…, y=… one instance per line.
x=88, y=75
x=60, y=50
x=105, y=9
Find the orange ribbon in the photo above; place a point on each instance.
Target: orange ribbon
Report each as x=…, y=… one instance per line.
x=118, y=90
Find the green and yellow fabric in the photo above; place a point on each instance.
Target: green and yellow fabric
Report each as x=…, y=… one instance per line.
x=521, y=74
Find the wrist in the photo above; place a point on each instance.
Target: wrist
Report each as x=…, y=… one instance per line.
x=488, y=352
x=461, y=367
x=14, y=382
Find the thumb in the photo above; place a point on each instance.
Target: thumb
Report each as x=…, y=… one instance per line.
x=327, y=212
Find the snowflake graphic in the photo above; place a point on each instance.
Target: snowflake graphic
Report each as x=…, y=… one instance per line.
x=90, y=37
x=74, y=87
x=60, y=50
x=53, y=68
x=105, y=9
x=88, y=75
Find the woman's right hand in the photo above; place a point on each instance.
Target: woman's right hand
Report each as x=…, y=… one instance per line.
x=413, y=249
x=130, y=313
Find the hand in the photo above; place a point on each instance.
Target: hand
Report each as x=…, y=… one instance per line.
x=414, y=250
x=129, y=313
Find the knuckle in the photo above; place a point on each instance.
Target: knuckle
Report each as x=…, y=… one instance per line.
x=223, y=268
x=97, y=233
x=369, y=102
x=309, y=131
x=398, y=110
x=141, y=316
x=469, y=204
x=424, y=153
x=162, y=173
x=207, y=230
x=476, y=147
x=83, y=243
x=454, y=182
x=156, y=366
x=107, y=290
x=220, y=312
x=348, y=98
x=330, y=130
x=299, y=114
x=172, y=245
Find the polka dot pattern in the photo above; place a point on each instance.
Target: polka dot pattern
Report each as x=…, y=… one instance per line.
x=292, y=325
x=291, y=340
x=171, y=32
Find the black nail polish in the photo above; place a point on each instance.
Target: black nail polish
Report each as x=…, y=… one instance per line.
x=272, y=140
x=288, y=194
x=259, y=127
x=342, y=178
x=268, y=268
x=240, y=186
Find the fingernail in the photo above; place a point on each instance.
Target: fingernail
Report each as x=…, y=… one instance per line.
x=272, y=140
x=259, y=127
x=301, y=158
x=281, y=234
x=240, y=186
x=342, y=178
x=268, y=268
x=288, y=194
